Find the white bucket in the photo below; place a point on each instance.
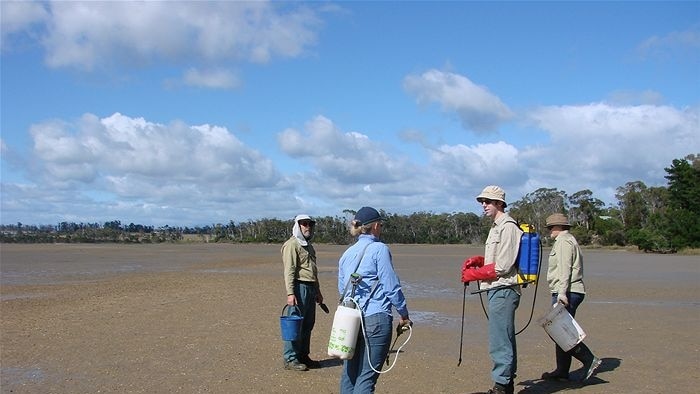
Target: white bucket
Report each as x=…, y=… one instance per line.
x=562, y=328
x=346, y=325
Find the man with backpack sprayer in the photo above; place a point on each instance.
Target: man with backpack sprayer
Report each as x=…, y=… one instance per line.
x=498, y=273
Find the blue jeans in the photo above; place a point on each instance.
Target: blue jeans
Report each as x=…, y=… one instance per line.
x=575, y=299
x=358, y=377
x=502, y=347
x=564, y=358
x=306, y=301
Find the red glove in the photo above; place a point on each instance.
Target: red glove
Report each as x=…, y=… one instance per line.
x=487, y=272
x=473, y=262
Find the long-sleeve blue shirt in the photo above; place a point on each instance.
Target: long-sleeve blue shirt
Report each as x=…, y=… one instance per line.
x=376, y=268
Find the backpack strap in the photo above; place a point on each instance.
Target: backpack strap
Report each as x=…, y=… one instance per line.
x=347, y=285
x=517, y=256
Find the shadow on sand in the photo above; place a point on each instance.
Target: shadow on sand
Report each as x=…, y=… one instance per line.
x=331, y=362
x=540, y=386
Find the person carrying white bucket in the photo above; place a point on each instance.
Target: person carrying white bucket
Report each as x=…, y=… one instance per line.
x=565, y=278
x=377, y=290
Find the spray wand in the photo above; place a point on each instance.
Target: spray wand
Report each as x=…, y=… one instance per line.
x=400, y=329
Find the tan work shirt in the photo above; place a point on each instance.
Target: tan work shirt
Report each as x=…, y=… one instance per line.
x=565, y=270
x=299, y=263
x=502, y=247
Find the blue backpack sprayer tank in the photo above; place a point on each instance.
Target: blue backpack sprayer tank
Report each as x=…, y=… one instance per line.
x=528, y=264
x=528, y=256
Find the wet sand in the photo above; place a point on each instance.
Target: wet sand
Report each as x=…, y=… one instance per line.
x=198, y=318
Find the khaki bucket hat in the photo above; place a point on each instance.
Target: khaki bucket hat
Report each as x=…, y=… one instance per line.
x=557, y=219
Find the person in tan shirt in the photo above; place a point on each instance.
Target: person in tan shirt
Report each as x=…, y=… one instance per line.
x=497, y=272
x=565, y=278
x=302, y=287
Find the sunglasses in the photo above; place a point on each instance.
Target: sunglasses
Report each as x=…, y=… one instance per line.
x=486, y=201
x=306, y=223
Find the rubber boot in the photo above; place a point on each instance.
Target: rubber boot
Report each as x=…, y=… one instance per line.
x=563, y=366
x=590, y=362
x=582, y=353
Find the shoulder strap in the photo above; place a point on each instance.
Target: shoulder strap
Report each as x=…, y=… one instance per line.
x=517, y=256
x=347, y=285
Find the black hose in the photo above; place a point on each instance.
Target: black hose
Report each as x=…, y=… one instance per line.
x=461, y=334
x=537, y=283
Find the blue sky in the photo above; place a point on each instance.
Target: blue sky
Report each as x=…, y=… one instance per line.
x=202, y=112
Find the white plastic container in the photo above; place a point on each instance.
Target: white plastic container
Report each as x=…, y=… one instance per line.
x=346, y=325
x=562, y=328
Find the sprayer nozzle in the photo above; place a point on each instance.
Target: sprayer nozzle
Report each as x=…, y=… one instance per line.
x=401, y=328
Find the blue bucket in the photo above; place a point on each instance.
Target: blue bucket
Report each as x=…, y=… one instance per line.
x=290, y=324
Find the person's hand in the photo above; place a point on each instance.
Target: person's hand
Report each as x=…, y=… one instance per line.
x=470, y=264
x=487, y=272
x=319, y=297
x=404, y=325
x=473, y=262
x=291, y=300
x=561, y=298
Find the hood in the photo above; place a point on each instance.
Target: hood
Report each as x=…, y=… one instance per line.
x=296, y=230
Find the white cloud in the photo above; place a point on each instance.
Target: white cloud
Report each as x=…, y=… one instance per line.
x=19, y=17
x=604, y=146
x=471, y=167
x=86, y=34
x=150, y=155
x=129, y=168
x=349, y=157
x=477, y=108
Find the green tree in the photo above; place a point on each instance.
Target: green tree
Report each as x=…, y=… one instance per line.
x=585, y=209
x=684, y=202
x=534, y=207
x=609, y=230
x=633, y=208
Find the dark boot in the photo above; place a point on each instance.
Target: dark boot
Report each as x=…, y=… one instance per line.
x=590, y=362
x=502, y=389
x=498, y=389
x=563, y=366
x=312, y=364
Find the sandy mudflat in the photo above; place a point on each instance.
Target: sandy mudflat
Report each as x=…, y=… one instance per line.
x=205, y=319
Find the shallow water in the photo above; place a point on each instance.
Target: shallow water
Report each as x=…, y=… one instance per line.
x=66, y=263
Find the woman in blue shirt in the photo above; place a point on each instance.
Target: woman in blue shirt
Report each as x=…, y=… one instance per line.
x=378, y=290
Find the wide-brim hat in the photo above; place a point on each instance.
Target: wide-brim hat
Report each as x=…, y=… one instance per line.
x=557, y=219
x=492, y=193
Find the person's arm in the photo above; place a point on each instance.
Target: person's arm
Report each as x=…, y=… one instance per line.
x=289, y=260
x=507, y=250
x=565, y=254
x=390, y=282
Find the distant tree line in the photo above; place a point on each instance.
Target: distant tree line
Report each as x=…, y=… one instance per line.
x=658, y=219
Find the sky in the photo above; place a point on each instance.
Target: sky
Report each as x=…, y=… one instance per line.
x=193, y=113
